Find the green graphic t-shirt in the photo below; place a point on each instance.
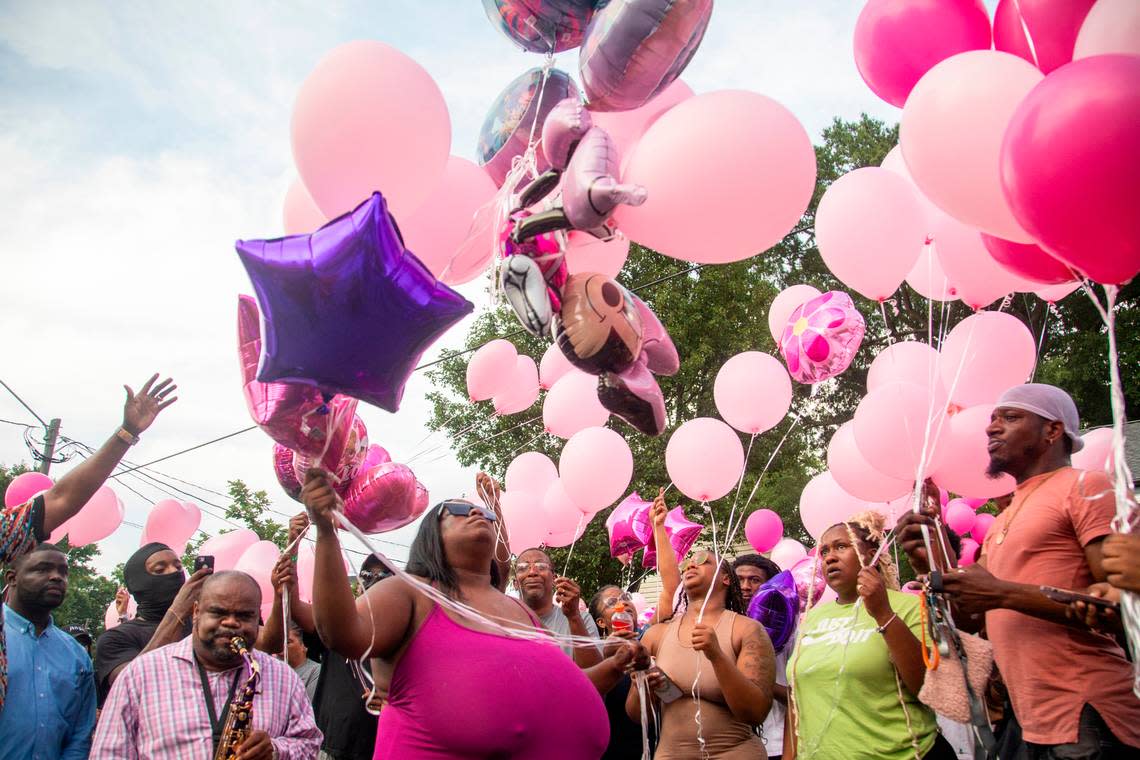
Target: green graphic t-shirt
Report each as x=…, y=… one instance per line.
x=857, y=714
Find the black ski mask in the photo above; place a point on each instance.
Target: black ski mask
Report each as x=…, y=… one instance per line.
x=153, y=593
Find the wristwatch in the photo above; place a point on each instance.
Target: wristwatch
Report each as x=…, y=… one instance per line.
x=126, y=436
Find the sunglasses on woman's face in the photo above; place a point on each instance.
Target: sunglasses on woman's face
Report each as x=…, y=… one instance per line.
x=463, y=509
x=696, y=560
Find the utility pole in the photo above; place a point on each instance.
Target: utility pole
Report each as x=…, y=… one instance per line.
x=49, y=444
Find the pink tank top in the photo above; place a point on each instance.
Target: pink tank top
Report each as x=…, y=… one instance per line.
x=459, y=693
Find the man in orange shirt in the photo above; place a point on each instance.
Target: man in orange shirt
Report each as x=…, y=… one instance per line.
x=1071, y=687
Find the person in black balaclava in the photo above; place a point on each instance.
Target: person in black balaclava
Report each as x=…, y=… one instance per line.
x=165, y=600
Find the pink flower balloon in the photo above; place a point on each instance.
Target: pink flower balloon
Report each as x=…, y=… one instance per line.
x=973, y=274
x=26, y=486
x=491, y=369
x=823, y=504
x=1027, y=261
x=300, y=214
x=532, y=472
x=897, y=41
x=787, y=552
x=909, y=361
x=595, y=467
x=173, y=523
x=704, y=458
x=586, y=253
x=869, y=228
x=900, y=426
x=1097, y=453
x=384, y=498
x=927, y=278
x=627, y=127
x=959, y=517
x=227, y=548
x=553, y=366
x=573, y=405
x=984, y=355
x=258, y=561
x=1112, y=26
x=752, y=392
x=763, y=529
x=1052, y=26
x=982, y=524
x=964, y=459
x=522, y=391
x=1089, y=112
x=822, y=337
x=854, y=473
x=391, y=130
x=729, y=174
x=784, y=304
x=951, y=135
x=98, y=518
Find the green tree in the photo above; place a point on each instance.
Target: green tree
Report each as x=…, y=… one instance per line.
x=249, y=508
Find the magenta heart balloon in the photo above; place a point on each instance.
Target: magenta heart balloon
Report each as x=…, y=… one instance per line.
x=384, y=498
x=283, y=469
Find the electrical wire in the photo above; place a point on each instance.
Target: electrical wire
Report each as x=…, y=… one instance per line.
x=23, y=403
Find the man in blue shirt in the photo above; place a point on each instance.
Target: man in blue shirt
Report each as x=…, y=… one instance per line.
x=50, y=708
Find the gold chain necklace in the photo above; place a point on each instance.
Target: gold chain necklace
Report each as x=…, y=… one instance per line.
x=1013, y=515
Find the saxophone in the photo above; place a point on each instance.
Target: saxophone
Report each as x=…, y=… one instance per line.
x=240, y=717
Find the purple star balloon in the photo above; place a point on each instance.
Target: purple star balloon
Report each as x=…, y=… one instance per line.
x=348, y=309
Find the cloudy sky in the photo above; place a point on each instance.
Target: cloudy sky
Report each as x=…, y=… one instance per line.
x=138, y=140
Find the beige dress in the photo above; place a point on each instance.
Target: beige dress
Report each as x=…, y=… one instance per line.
x=725, y=737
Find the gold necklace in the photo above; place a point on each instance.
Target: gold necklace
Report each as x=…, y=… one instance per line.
x=1013, y=515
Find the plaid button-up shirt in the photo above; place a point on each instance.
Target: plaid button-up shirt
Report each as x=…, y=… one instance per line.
x=156, y=709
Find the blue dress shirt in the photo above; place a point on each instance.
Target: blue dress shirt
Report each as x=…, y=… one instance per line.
x=50, y=708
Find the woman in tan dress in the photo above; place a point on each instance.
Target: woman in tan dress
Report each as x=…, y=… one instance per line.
x=728, y=658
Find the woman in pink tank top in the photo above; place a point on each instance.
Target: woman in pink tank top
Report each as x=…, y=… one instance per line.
x=459, y=690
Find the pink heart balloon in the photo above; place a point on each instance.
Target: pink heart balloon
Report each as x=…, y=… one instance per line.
x=384, y=498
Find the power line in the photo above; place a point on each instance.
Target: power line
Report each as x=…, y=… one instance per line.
x=23, y=403
x=192, y=448
x=18, y=424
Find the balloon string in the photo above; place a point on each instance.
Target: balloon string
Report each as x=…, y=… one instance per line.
x=739, y=483
x=488, y=439
x=640, y=680
x=528, y=443
x=760, y=478
x=438, y=430
x=435, y=447
x=1040, y=342
x=569, y=554
x=883, y=311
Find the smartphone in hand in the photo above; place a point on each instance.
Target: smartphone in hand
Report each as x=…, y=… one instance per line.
x=203, y=560
x=1064, y=596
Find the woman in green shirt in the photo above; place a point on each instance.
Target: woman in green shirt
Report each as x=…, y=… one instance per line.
x=857, y=666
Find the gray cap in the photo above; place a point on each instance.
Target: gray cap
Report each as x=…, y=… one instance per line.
x=1047, y=401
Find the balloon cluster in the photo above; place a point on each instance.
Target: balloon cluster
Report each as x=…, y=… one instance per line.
x=630, y=530
x=314, y=429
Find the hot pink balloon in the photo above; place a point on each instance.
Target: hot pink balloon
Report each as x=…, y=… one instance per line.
x=572, y=405
x=1112, y=26
x=1052, y=27
x=1097, y=452
x=173, y=523
x=98, y=518
x=437, y=231
x=532, y=472
x=784, y=304
x=823, y=504
x=258, y=561
x=283, y=469
x=822, y=337
x=984, y=355
x=300, y=214
x=763, y=529
x=973, y=274
x=962, y=469
x=982, y=524
x=343, y=455
x=927, y=278
x=897, y=41
x=586, y=253
x=909, y=361
x=595, y=467
x=384, y=498
x=627, y=127
x=704, y=458
x=899, y=426
x=959, y=517
x=682, y=531
x=227, y=548
x=629, y=526
x=854, y=473
x=752, y=392
x=951, y=136
x=491, y=369
x=391, y=129
x=375, y=455
x=553, y=366
x=1027, y=261
x=974, y=504
x=525, y=521
x=1055, y=293
x=1088, y=112
x=787, y=552
x=969, y=555
x=26, y=486
x=729, y=174
x=522, y=391
x=869, y=229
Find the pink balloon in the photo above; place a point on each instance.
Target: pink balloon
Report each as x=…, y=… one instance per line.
x=897, y=41
x=985, y=355
x=258, y=561
x=595, y=467
x=568, y=537
x=522, y=391
x=895, y=162
x=763, y=529
x=627, y=127
x=969, y=554
x=729, y=174
x=752, y=392
x=98, y=518
x=855, y=475
x=306, y=566
x=469, y=261
x=951, y=134
x=704, y=458
x=1052, y=27
x=345, y=452
x=787, y=552
x=111, y=616
x=927, y=278
x=908, y=361
x=368, y=117
x=822, y=337
x=25, y=487
x=1088, y=112
x=525, y=521
x=586, y=253
x=784, y=304
x=899, y=426
x=553, y=366
x=572, y=405
x=973, y=503
x=1097, y=453
x=629, y=526
x=384, y=498
x=375, y=455
x=1055, y=293
x=283, y=469
x=959, y=517
x=982, y=524
x=173, y=523
x=869, y=229
x=973, y=274
x=823, y=504
x=532, y=472
x=440, y=227
x=491, y=369
x=562, y=515
x=1112, y=26
x=227, y=548
x=964, y=458
x=300, y=214
x=1027, y=261
x=682, y=531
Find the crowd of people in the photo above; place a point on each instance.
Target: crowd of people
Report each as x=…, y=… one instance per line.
x=470, y=653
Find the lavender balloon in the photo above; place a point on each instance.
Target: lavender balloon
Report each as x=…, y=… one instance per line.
x=348, y=309
x=634, y=49
x=776, y=606
x=565, y=126
x=541, y=26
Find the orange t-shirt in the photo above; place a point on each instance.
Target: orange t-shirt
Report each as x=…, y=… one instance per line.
x=1053, y=670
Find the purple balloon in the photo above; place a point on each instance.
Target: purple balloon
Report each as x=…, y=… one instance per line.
x=634, y=49
x=541, y=26
x=348, y=309
x=565, y=126
x=776, y=606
